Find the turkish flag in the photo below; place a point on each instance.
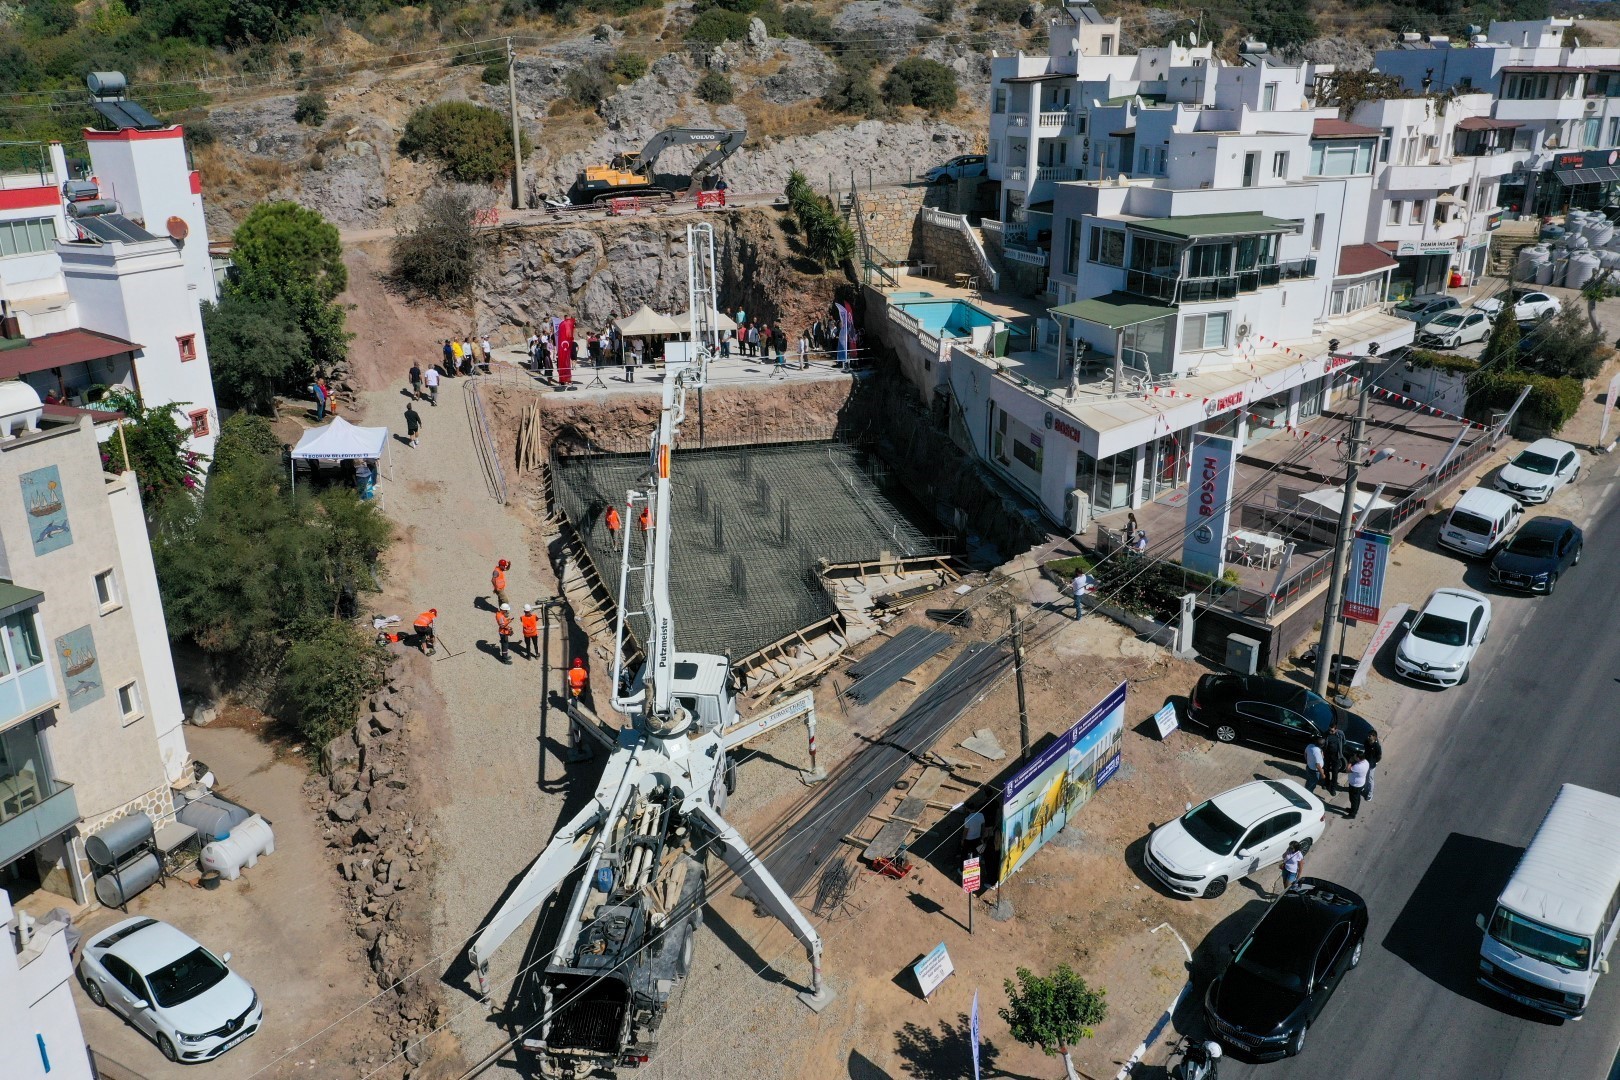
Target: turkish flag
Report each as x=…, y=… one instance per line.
x=565, y=351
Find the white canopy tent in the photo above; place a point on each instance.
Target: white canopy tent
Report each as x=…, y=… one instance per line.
x=1333, y=500
x=341, y=441
x=725, y=323
x=646, y=322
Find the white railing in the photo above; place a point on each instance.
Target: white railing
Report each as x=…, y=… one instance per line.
x=1020, y=120
x=959, y=222
x=1056, y=172
x=1060, y=119
x=990, y=225
x=1033, y=258
x=1014, y=175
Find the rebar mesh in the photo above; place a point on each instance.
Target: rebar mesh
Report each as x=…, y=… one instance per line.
x=750, y=524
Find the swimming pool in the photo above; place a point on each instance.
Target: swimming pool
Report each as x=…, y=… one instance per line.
x=947, y=318
x=914, y=295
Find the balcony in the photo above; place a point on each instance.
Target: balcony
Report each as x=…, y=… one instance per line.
x=1015, y=174
x=1031, y=256
x=1206, y=290
x=1057, y=173
x=32, y=811
x=1429, y=176
x=1058, y=122
x=1550, y=109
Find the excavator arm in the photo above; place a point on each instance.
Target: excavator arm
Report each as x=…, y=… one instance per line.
x=726, y=141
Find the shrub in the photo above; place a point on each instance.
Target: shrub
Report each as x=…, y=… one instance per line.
x=310, y=109
x=589, y=86
x=715, y=88
x=156, y=445
x=718, y=26
x=329, y=669
x=1007, y=11
x=1551, y=404
x=1440, y=361
x=255, y=347
x=494, y=73
x=803, y=22
x=473, y=143
x=927, y=84
x=942, y=11
x=1567, y=345
x=852, y=92
x=438, y=256
x=629, y=66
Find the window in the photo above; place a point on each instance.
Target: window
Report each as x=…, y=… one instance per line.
x=1206, y=331
x=1279, y=165
x=22, y=640
x=1107, y=47
x=1416, y=216
x=1316, y=232
x=129, y=700
x=188, y=347
x=1395, y=208
x=1383, y=144
x=1026, y=456
x=1209, y=260
x=106, y=590
x=199, y=423
x=1268, y=97
x=1341, y=159
x=27, y=235
x=1107, y=246
x=1154, y=256
x=1071, y=247
x=1589, y=136
x=1614, y=127
x=1353, y=298
x=1153, y=159
x=1326, y=960
x=1000, y=105
x=1251, y=169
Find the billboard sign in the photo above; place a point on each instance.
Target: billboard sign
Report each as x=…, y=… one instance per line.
x=1209, y=504
x=1364, y=592
x=1041, y=797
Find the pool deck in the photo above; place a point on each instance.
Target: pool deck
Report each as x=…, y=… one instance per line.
x=1001, y=305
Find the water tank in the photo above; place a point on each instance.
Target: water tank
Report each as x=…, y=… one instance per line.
x=1609, y=259
x=107, y=83
x=20, y=409
x=109, y=846
x=212, y=817
x=1552, y=232
x=242, y=847
x=1599, y=232
x=116, y=889
x=1582, y=267
x=1545, y=272
x=1576, y=241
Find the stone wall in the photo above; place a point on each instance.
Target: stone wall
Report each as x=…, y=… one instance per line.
x=949, y=250
x=890, y=217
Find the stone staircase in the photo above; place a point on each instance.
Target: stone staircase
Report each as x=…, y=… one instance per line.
x=1508, y=241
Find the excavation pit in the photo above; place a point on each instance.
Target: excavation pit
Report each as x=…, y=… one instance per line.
x=752, y=526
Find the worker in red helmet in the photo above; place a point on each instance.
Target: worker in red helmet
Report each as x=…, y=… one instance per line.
x=646, y=518
x=497, y=583
x=577, y=678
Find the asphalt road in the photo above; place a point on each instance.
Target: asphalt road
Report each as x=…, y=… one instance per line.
x=1434, y=849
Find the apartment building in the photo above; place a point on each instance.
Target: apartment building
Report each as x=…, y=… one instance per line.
x=103, y=270
x=90, y=714
x=40, y=1036
x=1560, y=99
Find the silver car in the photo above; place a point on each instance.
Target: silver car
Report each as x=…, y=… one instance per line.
x=1425, y=309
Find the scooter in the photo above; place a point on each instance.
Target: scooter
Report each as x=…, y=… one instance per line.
x=1199, y=1060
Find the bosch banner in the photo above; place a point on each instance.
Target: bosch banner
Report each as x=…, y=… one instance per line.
x=1209, y=504
x=1364, y=592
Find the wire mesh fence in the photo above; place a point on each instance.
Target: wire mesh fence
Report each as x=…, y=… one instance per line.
x=751, y=526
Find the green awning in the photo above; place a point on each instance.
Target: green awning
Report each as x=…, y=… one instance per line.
x=15, y=598
x=1198, y=226
x=1116, y=311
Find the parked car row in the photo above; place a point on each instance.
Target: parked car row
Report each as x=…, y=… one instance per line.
x=1443, y=323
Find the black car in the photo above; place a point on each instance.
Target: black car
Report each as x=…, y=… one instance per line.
x=1270, y=712
x=1542, y=549
x=1286, y=969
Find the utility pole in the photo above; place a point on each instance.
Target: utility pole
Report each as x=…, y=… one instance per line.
x=1347, y=514
x=517, y=137
x=1018, y=673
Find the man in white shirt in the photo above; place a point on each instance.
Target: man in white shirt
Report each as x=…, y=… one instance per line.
x=1356, y=782
x=430, y=379
x=1082, y=584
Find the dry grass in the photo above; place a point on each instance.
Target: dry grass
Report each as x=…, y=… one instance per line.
x=766, y=119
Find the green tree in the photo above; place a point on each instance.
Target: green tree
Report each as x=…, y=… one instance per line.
x=1567, y=345
x=927, y=84
x=166, y=469
x=1502, y=347
x=715, y=88
x=852, y=92
x=717, y=26
x=629, y=66
x=255, y=348
x=329, y=668
x=310, y=109
x=439, y=255
x=1053, y=1012
x=282, y=243
x=471, y=142
x=827, y=237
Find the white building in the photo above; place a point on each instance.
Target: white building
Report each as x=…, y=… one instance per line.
x=90, y=715
x=102, y=279
x=40, y=1037
x=1563, y=97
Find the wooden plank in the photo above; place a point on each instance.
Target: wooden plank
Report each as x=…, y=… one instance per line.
x=928, y=782
x=886, y=844
x=910, y=809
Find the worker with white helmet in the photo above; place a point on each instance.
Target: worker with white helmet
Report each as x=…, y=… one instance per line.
x=503, y=628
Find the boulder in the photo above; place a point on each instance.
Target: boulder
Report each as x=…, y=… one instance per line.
x=348, y=808
x=339, y=752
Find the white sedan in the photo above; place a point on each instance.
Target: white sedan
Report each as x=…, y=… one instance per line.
x=1539, y=471
x=1444, y=637
x=169, y=988
x=1236, y=834
x=1527, y=306
x=1455, y=328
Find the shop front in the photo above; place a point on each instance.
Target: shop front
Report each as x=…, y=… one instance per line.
x=1589, y=180
x=1422, y=267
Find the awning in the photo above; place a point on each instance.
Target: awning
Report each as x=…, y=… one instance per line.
x=1576, y=177
x=341, y=440
x=15, y=598
x=1486, y=123
x=1546, y=69
x=59, y=350
x=1116, y=311
x=1333, y=499
x=647, y=321
x=1326, y=127
x=1198, y=226
x=1050, y=76
x=1358, y=259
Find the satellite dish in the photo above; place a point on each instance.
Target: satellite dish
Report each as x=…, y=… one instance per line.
x=178, y=229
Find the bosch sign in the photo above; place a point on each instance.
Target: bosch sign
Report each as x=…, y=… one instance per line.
x=1210, y=472
x=1203, y=548
x=1221, y=404
x=1364, y=595
x=1336, y=361
x=1062, y=427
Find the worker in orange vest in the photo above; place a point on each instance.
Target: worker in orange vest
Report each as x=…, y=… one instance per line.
x=503, y=627
x=531, y=632
x=424, y=630
x=614, y=524
x=577, y=678
x=497, y=582
x=646, y=518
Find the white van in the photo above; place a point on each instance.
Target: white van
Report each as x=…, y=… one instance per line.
x=1548, y=939
x=1481, y=520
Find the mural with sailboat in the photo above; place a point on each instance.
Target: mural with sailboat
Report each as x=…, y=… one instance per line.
x=81, y=670
x=47, y=513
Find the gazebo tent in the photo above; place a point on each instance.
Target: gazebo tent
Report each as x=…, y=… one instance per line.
x=723, y=322
x=341, y=440
x=645, y=323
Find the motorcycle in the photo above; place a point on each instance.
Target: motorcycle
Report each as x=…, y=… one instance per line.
x=1199, y=1060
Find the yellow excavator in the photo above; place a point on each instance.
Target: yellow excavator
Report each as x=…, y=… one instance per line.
x=631, y=173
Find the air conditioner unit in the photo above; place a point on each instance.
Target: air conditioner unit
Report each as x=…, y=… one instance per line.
x=1079, y=511
x=1591, y=106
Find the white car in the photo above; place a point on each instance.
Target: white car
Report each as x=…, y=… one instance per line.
x=171, y=989
x=1539, y=471
x=1455, y=328
x=1425, y=309
x=1527, y=306
x=1236, y=834
x=1442, y=640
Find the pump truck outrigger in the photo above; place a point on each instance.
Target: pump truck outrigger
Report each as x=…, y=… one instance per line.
x=638, y=853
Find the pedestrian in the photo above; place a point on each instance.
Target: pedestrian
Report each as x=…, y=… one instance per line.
x=1314, y=760
x=725, y=345
x=753, y=340
x=413, y=423
x=321, y=399
x=466, y=358
x=531, y=632
x=1293, y=862
x=1355, y=782
x=455, y=357
x=577, y=678
x=1373, y=750
x=779, y=342
x=424, y=630
x=1139, y=543
x=364, y=478
x=449, y=358
x=645, y=520
x=614, y=524
x=497, y=582
x=1333, y=751
x=1131, y=527
x=503, y=630
x=1082, y=584
x=804, y=350
x=489, y=350
x=430, y=379
x=532, y=346
x=742, y=337
x=416, y=381
x=631, y=360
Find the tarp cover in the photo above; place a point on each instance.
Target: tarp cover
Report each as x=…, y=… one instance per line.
x=340, y=440
x=646, y=321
